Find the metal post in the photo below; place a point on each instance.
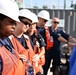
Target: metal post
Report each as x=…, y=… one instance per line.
x=50, y=4
x=64, y=4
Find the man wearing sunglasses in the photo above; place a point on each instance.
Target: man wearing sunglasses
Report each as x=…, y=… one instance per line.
x=43, y=17
x=56, y=47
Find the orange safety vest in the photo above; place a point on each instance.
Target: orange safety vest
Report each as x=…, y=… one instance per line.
x=31, y=54
x=37, y=50
x=17, y=46
x=11, y=64
x=49, y=38
x=42, y=59
x=21, y=50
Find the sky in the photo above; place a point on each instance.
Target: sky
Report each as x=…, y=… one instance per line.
x=49, y=3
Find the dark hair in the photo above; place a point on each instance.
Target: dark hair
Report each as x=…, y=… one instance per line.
x=2, y=16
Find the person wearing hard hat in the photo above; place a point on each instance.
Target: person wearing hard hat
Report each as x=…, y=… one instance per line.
x=10, y=63
x=43, y=17
x=21, y=27
x=38, y=45
x=20, y=39
x=26, y=17
x=49, y=36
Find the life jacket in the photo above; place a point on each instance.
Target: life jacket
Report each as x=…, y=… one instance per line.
x=21, y=50
x=11, y=64
x=31, y=53
x=49, y=38
x=37, y=50
x=17, y=46
x=42, y=59
x=30, y=50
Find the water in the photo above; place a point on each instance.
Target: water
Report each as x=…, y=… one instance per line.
x=29, y=68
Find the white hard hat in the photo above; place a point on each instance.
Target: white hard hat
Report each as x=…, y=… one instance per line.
x=10, y=9
x=44, y=14
x=26, y=13
x=35, y=18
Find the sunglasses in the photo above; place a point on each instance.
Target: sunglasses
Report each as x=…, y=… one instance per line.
x=25, y=22
x=56, y=22
x=45, y=20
